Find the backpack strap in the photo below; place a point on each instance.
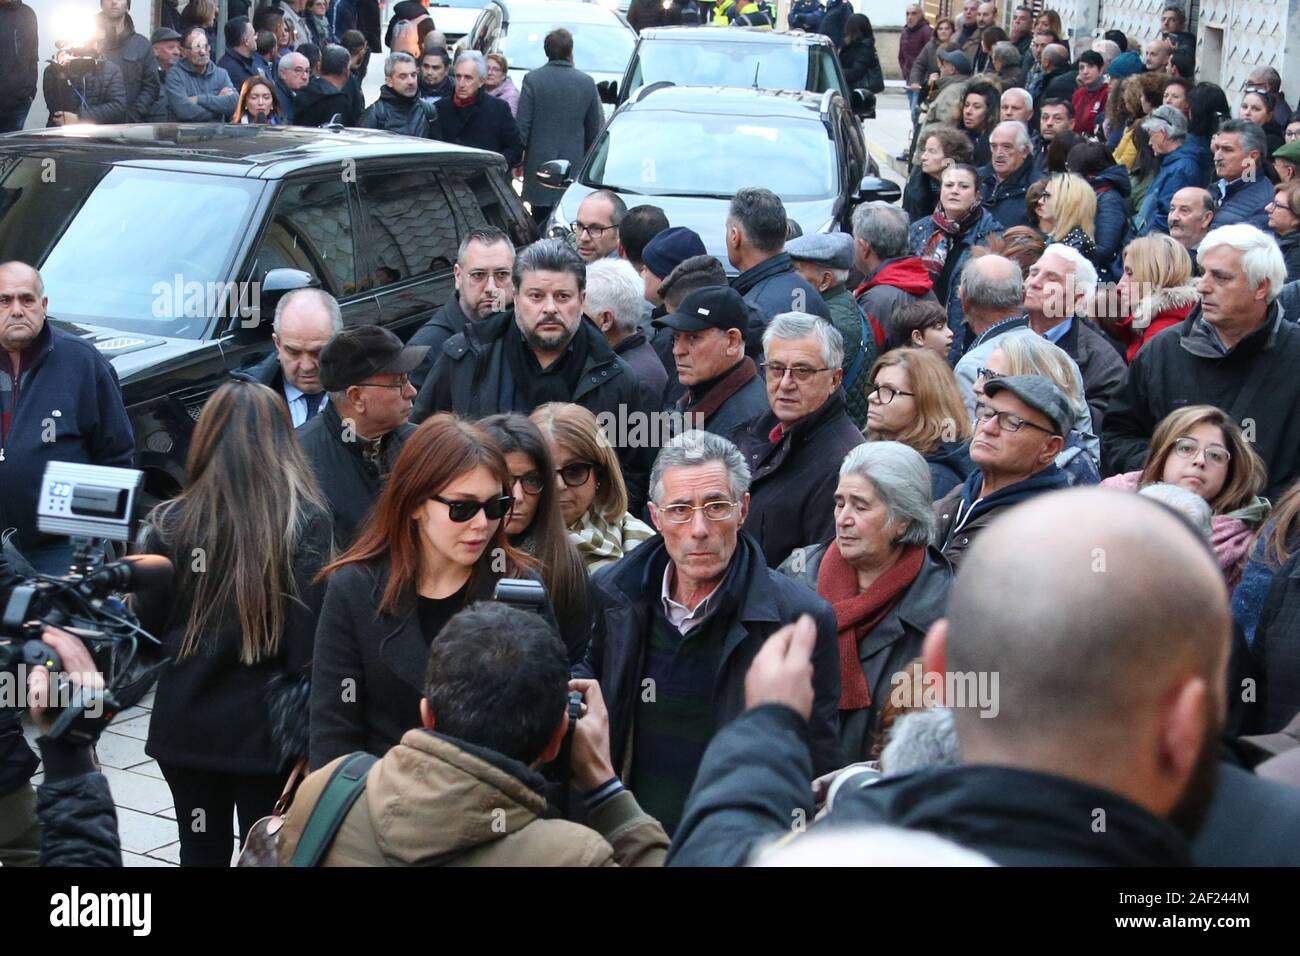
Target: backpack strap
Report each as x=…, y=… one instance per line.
x=860, y=359
x=346, y=784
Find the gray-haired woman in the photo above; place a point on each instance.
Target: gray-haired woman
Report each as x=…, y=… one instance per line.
x=885, y=582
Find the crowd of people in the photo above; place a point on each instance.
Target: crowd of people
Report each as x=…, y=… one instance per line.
x=766, y=511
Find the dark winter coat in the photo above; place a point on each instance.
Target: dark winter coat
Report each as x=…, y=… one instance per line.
x=792, y=484
x=487, y=123
x=560, y=117
x=1255, y=381
x=744, y=405
x=1290, y=246
x=1276, y=650
x=861, y=66
x=919, y=234
x=212, y=712
x=241, y=68
x=448, y=321
x=1245, y=202
x=644, y=362
x=1232, y=834
x=67, y=390
x=18, y=58
x=890, y=646
x=368, y=672
x=910, y=44
x=756, y=772
x=1113, y=229
x=920, y=195
x=471, y=377
x=773, y=287
x=950, y=465
x=1006, y=199
x=318, y=101
x=99, y=96
x=75, y=809
x=805, y=15
x=1100, y=363
x=1178, y=169
x=1059, y=85
x=133, y=55
x=394, y=113
x=360, y=15
x=962, y=513
x=833, y=20
x=347, y=481
x=765, y=601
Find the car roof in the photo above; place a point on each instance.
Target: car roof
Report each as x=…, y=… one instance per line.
x=728, y=100
x=557, y=11
x=713, y=34
x=227, y=149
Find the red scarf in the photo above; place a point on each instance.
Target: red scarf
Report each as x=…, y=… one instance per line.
x=857, y=613
x=467, y=101
x=947, y=233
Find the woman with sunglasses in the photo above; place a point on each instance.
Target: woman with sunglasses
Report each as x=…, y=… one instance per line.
x=1257, y=104
x=914, y=399
x=1284, y=223
x=434, y=543
x=536, y=527
x=589, y=485
x=1201, y=449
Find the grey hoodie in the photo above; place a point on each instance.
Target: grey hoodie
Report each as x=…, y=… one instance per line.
x=182, y=82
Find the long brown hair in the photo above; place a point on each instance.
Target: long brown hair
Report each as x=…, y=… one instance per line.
x=1286, y=519
x=246, y=90
x=248, y=496
x=1246, y=471
x=940, y=413
x=575, y=428
x=561, y=567
x=441, y=450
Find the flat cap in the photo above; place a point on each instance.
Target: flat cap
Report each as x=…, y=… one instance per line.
x=834, y=250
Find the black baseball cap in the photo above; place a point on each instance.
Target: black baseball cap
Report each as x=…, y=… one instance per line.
x=714, y=307
x=356, y=354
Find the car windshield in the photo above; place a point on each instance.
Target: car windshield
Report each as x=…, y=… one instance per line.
x=665, y=153
x=770, y=66
x=597, y=47
x=114, y=243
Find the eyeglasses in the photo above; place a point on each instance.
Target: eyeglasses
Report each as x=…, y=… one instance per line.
x=1214, y=454
x=885, y=394
x=713, y=510
x=986, y=373
x=581, y=228
x=1006, y=420
x=575, y=474
x=531, y=483
x=462, y=511
x=401, y=383
x=802, y=374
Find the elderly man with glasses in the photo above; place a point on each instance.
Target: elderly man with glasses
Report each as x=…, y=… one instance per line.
x=795, y=448
x=1020, y=428
x=353, y=443
x=678, y=622
x=196, y=89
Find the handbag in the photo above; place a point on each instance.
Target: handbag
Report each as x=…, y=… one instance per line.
x=260, y=847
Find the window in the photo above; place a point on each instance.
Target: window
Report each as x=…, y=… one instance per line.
x=480, y=203
x=413, y=229
x=312, y=230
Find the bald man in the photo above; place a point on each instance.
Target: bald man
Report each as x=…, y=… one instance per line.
x=1086, y=652
x=59, y=401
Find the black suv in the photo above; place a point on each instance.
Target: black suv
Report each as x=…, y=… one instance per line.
x=166, y=245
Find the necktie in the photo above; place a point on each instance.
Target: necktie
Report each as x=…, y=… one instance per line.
x=313, y=403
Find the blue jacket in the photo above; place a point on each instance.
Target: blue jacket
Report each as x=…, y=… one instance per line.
x=773, y=287
x=1178, y=170
x=1006, y=200
x=962, y=512
x=806, y=15
x=68, y=391
x=1245, y=203
x=920, y=233
x=1113, y=231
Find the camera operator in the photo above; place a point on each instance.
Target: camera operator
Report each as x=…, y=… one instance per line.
x=83, y=86
x=74, y=805
x=464, y=789
x=59, y=401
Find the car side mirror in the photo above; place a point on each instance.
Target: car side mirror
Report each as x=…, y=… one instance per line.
x=275, y=284
x=554, y=174
x=863, y=103
x=607, y=90
x=876, y=189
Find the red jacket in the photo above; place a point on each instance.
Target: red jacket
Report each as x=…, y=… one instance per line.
x=1168, y=307
x=1088, y=107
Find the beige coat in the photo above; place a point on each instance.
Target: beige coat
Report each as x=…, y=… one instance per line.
x=429, y=802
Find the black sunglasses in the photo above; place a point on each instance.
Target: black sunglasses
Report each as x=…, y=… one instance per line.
x=575, y=475
x=462, y=511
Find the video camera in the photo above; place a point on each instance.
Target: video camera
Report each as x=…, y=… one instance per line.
x=91, y=505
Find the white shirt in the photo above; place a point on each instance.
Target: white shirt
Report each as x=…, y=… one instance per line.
x=297, y=400
x=679, y=615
